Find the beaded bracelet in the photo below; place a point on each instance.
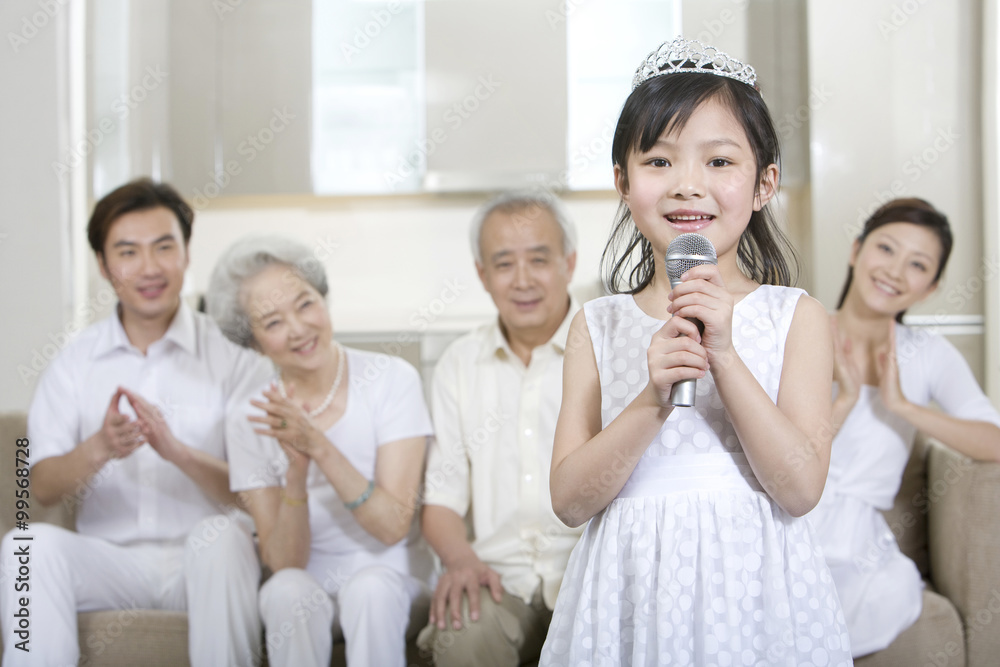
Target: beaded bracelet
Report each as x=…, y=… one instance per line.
x=355, y=504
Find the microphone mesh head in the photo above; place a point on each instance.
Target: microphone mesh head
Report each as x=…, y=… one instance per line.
x=686, y=252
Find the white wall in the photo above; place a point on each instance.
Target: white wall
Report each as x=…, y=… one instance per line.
x=902, y=118
x=394, y=263
x=391, y=258
x=35, y=290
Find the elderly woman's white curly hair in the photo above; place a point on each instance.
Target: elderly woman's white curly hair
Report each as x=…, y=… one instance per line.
x=245, y=259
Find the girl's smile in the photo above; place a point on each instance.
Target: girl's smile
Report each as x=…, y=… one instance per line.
x=684, y=220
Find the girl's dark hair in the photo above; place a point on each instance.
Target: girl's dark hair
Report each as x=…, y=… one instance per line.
x=916, y=212
x=665, y=103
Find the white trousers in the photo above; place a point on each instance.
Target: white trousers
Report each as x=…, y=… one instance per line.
x=370, y=612
x=214, y=576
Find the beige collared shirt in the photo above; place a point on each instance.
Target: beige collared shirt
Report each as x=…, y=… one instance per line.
x=495, y=420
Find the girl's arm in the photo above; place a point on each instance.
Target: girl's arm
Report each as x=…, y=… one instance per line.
x=589, y=465
x=977, y=439
x=787, y=444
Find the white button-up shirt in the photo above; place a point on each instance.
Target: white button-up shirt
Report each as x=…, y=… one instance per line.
x=189, y=374
x=495, y=420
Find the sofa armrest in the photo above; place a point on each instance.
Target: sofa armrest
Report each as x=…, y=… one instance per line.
x=963, y=500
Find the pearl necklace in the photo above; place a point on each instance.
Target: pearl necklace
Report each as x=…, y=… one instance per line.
x=333, y=390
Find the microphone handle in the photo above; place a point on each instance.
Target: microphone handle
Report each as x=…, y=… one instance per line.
x=682, y=393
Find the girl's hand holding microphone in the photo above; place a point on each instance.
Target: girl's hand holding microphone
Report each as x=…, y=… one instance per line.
x=702, y=296
x=675, y=353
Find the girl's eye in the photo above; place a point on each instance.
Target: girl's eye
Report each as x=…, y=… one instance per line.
x=920, y=267
x=658, y=162
x=720, y=162
x=884, y=248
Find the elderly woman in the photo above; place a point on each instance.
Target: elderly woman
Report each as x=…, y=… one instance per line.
x=328, y=458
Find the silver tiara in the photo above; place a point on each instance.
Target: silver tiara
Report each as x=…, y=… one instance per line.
x=691, y=56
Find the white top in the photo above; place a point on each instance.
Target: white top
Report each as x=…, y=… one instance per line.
x=384, y=404
x=880, y=588
x=495, y=421
x=930, y=369
x=189, y=374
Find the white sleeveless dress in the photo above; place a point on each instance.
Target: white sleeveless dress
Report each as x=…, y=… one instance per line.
x=692, y=563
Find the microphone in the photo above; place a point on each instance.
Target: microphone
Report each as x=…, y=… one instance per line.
x=686, y=252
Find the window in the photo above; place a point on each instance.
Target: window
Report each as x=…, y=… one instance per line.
x=368, y=96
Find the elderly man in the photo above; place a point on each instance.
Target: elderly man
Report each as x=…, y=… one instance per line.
x=128, y=421
x=495, y=399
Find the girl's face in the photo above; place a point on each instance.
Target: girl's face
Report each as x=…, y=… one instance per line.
x=702, y=179
x=895, y=266
x=288, y=318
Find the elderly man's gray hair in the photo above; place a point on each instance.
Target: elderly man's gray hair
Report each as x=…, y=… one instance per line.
x=242, y=261
x=517, y=201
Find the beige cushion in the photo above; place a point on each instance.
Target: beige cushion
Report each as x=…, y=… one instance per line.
x=965, y=545
x=908, y=517
x=133, y=638
x=937, y=633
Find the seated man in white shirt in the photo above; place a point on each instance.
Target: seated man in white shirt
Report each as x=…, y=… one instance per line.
x=129, y=421
x=495, y=400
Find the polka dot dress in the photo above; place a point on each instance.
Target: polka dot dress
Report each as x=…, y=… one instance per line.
x=692, y=563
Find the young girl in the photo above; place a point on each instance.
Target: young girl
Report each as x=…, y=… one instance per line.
x=886, y=374
x=693, y=553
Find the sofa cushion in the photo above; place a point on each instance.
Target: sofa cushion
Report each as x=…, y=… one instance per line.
x=130, y=637
x=908, y=517
x=935, y=639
